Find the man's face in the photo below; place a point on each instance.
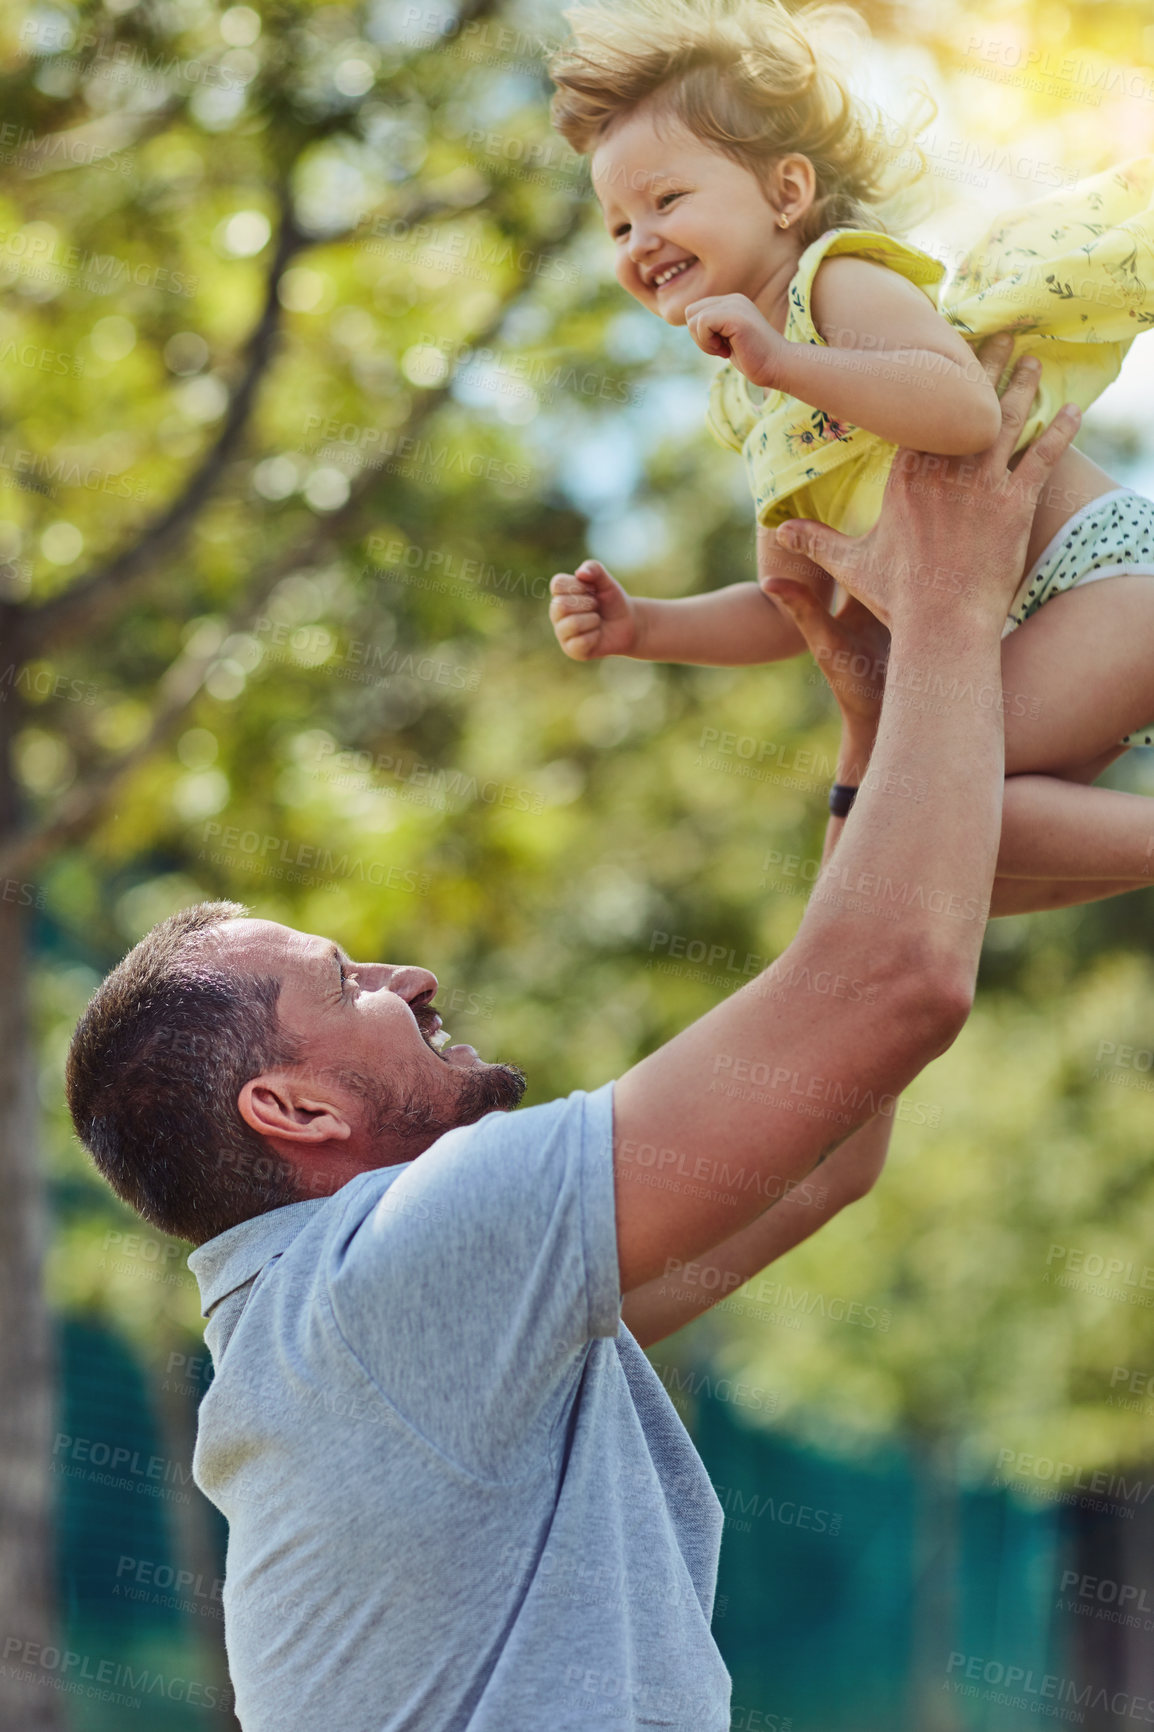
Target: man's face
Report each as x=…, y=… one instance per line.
x=673, y=204
x=370, y=1038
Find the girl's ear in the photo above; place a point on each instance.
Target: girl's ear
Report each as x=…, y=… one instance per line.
x=794, y=185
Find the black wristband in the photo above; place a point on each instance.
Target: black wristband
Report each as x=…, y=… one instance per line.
x=841, y=798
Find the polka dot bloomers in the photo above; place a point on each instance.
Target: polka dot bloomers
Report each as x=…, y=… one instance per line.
x=1112, y=536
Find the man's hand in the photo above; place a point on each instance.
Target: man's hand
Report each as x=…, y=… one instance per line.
x=934, y=504
x=591, y=613
x=732, y=326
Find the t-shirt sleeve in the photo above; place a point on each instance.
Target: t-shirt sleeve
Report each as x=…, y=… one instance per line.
x=471, y=1287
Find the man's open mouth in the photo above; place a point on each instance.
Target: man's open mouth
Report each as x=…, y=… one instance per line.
x=440, y=1040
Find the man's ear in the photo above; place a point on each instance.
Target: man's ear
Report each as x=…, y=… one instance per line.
x=284, y=1107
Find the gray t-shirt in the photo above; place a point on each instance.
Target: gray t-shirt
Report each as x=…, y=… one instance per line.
x=458, y=1494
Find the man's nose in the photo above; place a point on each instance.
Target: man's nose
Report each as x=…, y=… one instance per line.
x=414, y=985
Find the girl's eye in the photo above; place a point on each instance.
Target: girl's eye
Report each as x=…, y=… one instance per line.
x=623, y=228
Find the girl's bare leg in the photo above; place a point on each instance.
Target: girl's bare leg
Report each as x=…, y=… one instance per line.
x=1077, y=676
x=1064, y=719
x=1058, y=829
x=1041, y=895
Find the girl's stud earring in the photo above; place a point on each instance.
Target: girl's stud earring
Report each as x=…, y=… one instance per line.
x=783, y=222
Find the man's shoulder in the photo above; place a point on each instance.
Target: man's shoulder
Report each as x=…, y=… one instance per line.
x=454, y=1237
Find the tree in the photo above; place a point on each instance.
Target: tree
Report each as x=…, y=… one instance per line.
x=102, y=109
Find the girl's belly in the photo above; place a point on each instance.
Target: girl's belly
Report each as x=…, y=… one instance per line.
x=1073, y=483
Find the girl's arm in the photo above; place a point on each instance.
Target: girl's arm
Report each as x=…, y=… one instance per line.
x=726, y=628
x=893, y=364
x=738, y=626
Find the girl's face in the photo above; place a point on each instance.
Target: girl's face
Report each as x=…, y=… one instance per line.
x=686, y=221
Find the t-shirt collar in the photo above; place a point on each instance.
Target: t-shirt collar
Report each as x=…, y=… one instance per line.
x=235, y=1256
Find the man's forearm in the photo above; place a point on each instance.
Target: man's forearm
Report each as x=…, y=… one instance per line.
x=662, y=1306
x=853, y=758
x=921, y=840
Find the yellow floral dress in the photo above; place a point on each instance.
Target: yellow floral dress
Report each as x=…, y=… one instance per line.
x=1072, y=274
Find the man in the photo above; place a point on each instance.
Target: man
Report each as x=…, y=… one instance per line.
x=458, y=1495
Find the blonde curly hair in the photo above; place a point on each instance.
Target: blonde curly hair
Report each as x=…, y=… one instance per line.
x=749, y=78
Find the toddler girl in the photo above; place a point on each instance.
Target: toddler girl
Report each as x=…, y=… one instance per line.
x=743, y=186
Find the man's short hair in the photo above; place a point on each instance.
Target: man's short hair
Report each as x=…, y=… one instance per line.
x=154, y=1070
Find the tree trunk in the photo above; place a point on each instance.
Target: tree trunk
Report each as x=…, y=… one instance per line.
x=27, y=1380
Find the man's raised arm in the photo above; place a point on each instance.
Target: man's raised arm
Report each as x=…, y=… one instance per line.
x=880, y=978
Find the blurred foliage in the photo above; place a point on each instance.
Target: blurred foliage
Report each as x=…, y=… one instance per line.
x=388, y=746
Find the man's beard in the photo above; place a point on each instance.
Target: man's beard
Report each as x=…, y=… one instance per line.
x=403, y=1121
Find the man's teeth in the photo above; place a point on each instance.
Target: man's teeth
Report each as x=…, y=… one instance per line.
x=673, y=271
x=440, y=1039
